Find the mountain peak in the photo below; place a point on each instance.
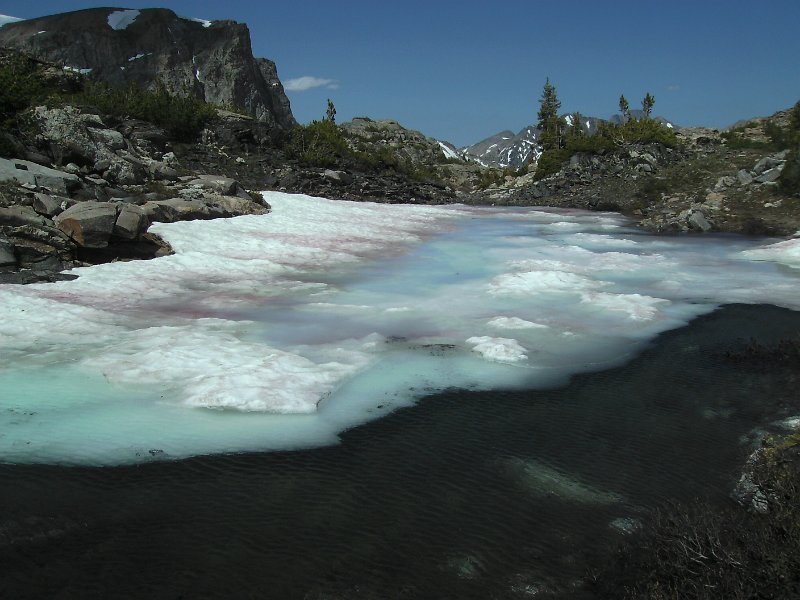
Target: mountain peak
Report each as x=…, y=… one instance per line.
x=212, y=60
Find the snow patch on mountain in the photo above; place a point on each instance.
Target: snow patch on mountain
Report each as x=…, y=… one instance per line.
x=5, y=20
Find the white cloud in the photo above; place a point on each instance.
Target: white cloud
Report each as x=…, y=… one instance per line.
x=673, y=88
x=301, y=84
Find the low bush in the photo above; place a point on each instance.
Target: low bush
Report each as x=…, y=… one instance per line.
x=183, y=116
x=789, y=180
x=550, y=162
x=609, y=136
x=699, y=552
x=21, y=84
x=646, y=131
x=319, y=144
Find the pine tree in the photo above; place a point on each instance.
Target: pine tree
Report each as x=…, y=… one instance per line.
x=647, y=105
x=624, y=108
x=330, y=114
x=549, y=124
x=576, y=130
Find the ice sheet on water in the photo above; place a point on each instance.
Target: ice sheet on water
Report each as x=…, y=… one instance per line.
x=786, y=252
x=282, y=330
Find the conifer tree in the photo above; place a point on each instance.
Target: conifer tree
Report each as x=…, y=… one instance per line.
x=576, y=130
x=624, y=108
x=647, y=105
x=330, y=114
x=549, y=124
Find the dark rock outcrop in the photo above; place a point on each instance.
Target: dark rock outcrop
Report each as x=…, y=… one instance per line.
x=213, y=60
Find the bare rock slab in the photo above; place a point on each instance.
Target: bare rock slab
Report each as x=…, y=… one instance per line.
x=89, y=224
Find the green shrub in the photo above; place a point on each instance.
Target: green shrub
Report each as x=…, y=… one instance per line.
x=183, y=116
x=735, y=140
x=550, y=162
x=21, y=84
x=646, y=131
x=590, y=143
x=789, y=180
x=319, y=144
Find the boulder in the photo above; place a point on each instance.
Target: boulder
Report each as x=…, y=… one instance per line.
x=724, y=182
x=42, y=247
x=234, y=206
x=7, y=258
x=70, y=131
x=89, y=224
x=110, y=138
x=33, y=174
x=16, y=216
x=765, y=164
x=338, y=177
x=163, y=171
x=769, y=176
x=698, y=221
x=131, y=222
x=177, y=209
x=744, y=177
x=221, y=185
x=50, y=206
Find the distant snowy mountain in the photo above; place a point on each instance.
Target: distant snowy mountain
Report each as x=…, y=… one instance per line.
x=507, y=149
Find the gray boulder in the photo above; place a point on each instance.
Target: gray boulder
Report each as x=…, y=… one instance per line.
x=125, y=172
x=88, y=224
x=218, y=183
x=50, y=206
x=33, y=174
x=131, y=222
x=176, y=209
x=769, y=176
x=85, y=138
x=744, y=177
x=698, y=221
x=233, y=206
x=338, y=177
x=7, y=258
x=41, y=247
x=16, y=216
x=765, y=164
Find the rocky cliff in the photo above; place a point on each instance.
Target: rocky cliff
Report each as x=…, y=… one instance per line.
x=212, y=60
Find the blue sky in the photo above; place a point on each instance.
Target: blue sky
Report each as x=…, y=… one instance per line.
x=462, y=71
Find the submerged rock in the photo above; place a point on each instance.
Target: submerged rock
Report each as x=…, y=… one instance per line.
x=538, y=479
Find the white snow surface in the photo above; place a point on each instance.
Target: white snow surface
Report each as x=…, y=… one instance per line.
x=498, y=349
x=205, y=23
x=447, y=150
x=514, y=323
x=121, y=19
x=5, y=20
x=280, y=331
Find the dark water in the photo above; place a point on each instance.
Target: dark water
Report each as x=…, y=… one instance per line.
x=466, y=495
